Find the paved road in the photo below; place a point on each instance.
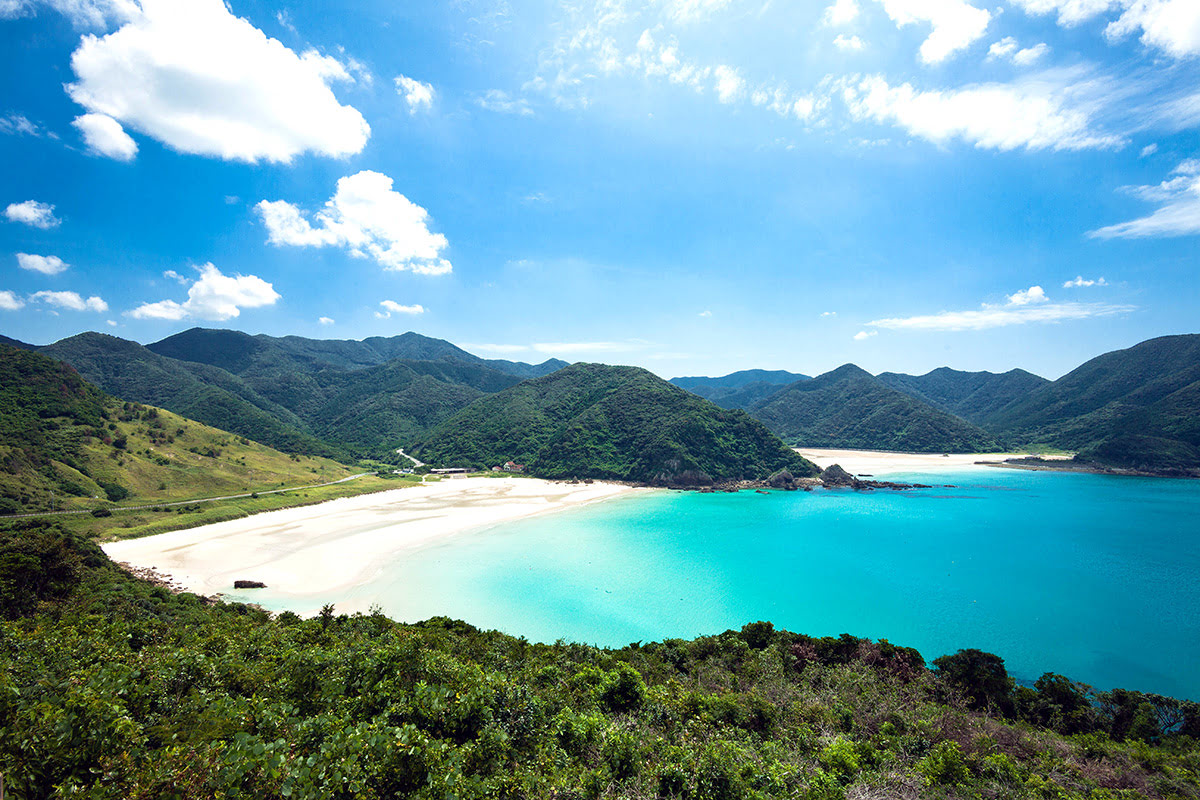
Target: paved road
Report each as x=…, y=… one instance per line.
x=190, y=502
x=416, y=463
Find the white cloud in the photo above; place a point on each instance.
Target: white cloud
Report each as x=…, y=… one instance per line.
x=864, y=335
x=844, y=42
x=367, y=217
x=104, y=136
x=175, y=276
x=82, y=13
x=1149, y=150
x=214, y=296
x=1070, y=12
x=842, y=12
x=1179, y=214
x=418, y=95
x=1020, y=308
x=729, y=83
x=47, y=265
x=1031, y=114
x=1080, y=282
x=1172, y=26
x=392, y=307
x=19, y=124
x=1008, y=49
x=499, y=101
x=10, y=302
x=33, y=213
x=112, y=323
x=1026, y=297
x=956, y=24
x=325, y=320
x=706, y=313
x=828, y=314
x=693, y=10
x=70, y=301
x=199, y=79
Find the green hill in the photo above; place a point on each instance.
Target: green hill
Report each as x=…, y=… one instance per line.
x=975, y=396
x=64, y=444
x=848, y=407
x=598, y=421
x=1136, y=408
x=739, y=389
x=201, y=392
x=240, y=353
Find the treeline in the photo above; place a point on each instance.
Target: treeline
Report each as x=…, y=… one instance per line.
x=113, y=688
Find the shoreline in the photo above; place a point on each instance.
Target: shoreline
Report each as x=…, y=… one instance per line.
x=870, y=463
x=334, y=546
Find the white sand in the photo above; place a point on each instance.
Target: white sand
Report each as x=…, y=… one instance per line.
x=343, y=543
x=868, y=462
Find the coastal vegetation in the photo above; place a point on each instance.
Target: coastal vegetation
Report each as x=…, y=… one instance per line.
x=623, y=423
x=111, y=687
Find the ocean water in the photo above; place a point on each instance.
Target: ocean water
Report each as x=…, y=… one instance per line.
x=1094, y=577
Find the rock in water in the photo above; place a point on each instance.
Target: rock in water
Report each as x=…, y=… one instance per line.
x=249, y=585
x=834, y=475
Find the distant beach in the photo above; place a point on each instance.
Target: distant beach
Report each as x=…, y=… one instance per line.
x=873, y=462
x=343, y=543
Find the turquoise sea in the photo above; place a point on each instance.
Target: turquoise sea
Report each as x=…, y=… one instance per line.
x=1094, y=577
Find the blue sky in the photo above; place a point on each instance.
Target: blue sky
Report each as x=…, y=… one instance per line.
x=694, y=186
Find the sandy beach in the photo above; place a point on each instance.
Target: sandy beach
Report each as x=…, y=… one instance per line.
x=877, y=463
x=336, y=545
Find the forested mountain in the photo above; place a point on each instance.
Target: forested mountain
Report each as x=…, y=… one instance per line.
x=594, y=420
x=240, y=352
x=739, y=389
x=975, y=396
x=62, y=440
x=849, y=407
x=204, y=393
x=1136, y=408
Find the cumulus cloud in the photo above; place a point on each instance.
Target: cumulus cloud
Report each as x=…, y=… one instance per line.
x=1008, y=49
x=1149, y=150
x=418, y=95
x=501, y=102
x=104, y=136
x=71, y=301
x=828, y=314
x=325, y=320
x=1032, y=114
x=175, y=276
x=956, y=24
x=213, y=296
x=842, y=12
x=1070, y=12
x=368, y=218
x=33, y=213
x=1020, y=308
x=706, y=313
x=10, y=302
x=844, y=42
x=864, y=335
x=47, y=265
x=203, y=81
x=1026, y=297
x=1080, y=282
x=1179, y=214
x=692, y=10
x=1172, y=26
x=392, y=307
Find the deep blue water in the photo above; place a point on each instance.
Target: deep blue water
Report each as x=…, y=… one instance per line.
x=1093, y=577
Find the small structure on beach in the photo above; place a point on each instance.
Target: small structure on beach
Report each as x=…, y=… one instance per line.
x=512, y=466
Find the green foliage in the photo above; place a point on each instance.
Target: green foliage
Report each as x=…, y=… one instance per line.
x=974, y=396
x=848, y=407
x=592, y=420
x=113, y=688
x=980, y=676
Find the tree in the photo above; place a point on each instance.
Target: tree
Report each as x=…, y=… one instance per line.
x=980, y=676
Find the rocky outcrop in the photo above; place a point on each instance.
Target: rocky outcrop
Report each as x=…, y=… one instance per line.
x=249, y=585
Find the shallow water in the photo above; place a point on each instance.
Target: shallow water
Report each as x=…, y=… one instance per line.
x=1094, y=577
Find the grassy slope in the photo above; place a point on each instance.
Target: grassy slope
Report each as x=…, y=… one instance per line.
x=64, y=441
x=593, y=420
x=848, y=407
